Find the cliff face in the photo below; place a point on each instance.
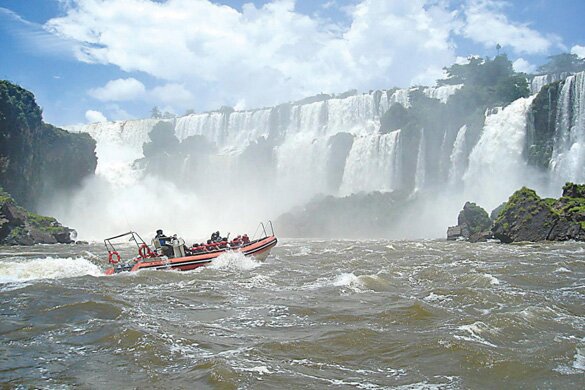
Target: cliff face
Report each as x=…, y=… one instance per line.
x=21, y=227
x=37, y=158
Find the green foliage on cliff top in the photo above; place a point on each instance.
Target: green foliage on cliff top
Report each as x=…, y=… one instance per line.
x=486, y=82
x=516, y=202
x=18, y=104
x=564, y=62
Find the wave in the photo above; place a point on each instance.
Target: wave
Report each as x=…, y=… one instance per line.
x=46, y=268
x=361, y=283
x=234, y=261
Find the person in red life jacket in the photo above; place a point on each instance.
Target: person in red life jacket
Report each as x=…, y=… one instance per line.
x=245, y=239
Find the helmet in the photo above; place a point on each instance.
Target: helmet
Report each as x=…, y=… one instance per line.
x=159, y=231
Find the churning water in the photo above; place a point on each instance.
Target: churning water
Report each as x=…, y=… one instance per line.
x=315, y=314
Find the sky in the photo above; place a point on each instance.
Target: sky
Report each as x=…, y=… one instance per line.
x=95, y=60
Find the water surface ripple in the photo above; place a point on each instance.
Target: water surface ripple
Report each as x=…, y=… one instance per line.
x=339, y=314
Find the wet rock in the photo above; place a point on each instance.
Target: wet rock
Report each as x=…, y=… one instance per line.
x=527, y=217
x=21, y=227
x=473, y=224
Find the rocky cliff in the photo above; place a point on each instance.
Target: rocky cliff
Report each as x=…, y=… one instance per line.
x=38, y=159
x=21, y=227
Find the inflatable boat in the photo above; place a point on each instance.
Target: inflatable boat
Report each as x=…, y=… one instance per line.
x=177, y=256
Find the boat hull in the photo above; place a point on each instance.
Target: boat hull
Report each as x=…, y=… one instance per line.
x=259, y=249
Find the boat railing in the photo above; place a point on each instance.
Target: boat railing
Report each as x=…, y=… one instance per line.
x=263, y=226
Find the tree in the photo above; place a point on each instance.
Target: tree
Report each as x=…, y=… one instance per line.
x=564, y=62
x=155, y=113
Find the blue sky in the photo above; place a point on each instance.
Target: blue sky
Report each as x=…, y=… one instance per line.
x=92, y=60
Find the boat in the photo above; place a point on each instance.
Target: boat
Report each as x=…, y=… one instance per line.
x=177, y=256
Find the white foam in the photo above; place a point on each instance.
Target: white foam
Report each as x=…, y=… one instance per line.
x=475, y=330
x=46, y=268
x=493, y=280
x=579, y=362
x=234, y=261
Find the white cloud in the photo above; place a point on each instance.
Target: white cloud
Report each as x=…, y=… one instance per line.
x=206, y=55
x=119, y=90
x=487, y=24
x=172, y=94
x=93, y=116
x=264, y=54
x=578, y=50
x=521, y=65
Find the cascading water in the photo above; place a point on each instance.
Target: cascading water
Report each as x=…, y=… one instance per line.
x=568, y=157
x=458, y=157
x=262, y=162
x=496, y=166
x=373, y=164
x=420, y=175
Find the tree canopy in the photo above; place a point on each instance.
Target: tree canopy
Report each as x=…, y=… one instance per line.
x=564, y=62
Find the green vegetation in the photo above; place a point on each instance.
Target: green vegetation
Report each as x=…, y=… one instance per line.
x=476, y=218
x=488, y=82
x=37, y=158
x=564, y=62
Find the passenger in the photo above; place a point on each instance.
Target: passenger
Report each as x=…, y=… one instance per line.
x=165, y=243
x=245, y=239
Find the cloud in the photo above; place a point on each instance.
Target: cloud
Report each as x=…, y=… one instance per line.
x=119, y=90
x=265, y=54
x=521, y=65
x=578, y=50
x=93, y=116
x=34, y=38
x=172, y=94
x=204, y=55
x=486, y=24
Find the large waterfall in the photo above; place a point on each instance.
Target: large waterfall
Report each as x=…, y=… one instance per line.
x=568, y=160
x=263, y=162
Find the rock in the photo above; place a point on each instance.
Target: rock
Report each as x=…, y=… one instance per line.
x=571, y=190
x=473, y=224
x=527, y=217
x=454, y=233
x=35, y=157
x=481, y=236
x=496, y=212
x=21, y=227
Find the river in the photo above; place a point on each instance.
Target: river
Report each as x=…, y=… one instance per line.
x=333, y=313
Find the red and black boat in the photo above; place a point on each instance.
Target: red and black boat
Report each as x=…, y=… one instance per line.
x=177, y=256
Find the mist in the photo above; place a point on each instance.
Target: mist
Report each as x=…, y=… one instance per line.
x=229, y=170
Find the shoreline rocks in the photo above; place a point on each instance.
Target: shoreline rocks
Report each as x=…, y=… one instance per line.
x=528, y=217
x=473, y=224
x=18, y=226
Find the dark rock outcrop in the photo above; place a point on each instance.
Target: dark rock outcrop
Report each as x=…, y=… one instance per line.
x=473, y=224
x=37, y=159
x=21, y=227
x=527, y=217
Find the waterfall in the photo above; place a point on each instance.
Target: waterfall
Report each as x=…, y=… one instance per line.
x=568, y=156
x=540, y=81
x=373, y=164
x=443, y=92
x=420, y=175
x=262, y=162
x=458, y=156
x=496, y=165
